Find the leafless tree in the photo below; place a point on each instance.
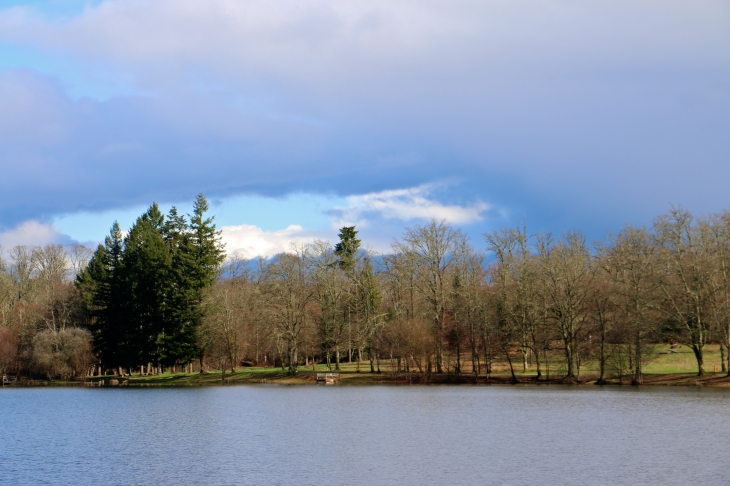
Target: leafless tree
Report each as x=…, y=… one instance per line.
x=288, y=292
x=719, y=230
x=686, y=280
x=431, y=249
x=567, y=273
x=330, y=285
x=63, y=353
x=631, y=264
x=466, y=301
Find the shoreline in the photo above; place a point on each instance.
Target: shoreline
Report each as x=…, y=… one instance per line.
x=278, y=377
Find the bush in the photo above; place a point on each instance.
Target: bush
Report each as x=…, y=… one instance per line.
x=8, y=349
x=62, y=354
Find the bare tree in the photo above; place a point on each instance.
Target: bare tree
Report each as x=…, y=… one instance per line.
x=630, y=263
x=719, y=229
x=330, y=285
x=8, y=350
x=466, y=301
x=686, y=281
x=21, y=270
x=431, y=249
x=79, y=257
x=567, y=274
x=63, y=353
x=51, y=264
x=288, y=293
x=504, y=247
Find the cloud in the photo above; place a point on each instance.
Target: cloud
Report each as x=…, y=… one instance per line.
x=578, y=114
x=405, y=205
x=250, y=241
x=32, y=233
x=324, y=37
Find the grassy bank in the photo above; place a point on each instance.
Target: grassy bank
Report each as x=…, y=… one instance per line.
x=663, y=366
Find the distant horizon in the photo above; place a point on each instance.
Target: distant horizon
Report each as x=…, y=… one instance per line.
x=270, y=244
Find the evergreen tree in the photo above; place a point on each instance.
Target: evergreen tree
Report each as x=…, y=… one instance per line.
x=145, y=293
x=104, y=299
x=347, y=247
x=198, y=263
x=147, y=280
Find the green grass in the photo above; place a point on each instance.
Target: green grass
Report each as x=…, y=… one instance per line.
x=682, y=360
x=662, y=365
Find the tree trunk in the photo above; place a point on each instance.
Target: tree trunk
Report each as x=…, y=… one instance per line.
x=638, y=376
x=511, y=368
x=439, y=355
x=723, y=364
x=569, y=359
x=602, y=357
x=523, y=350
x=697, y=349
x=474, y=354
x=538, y=370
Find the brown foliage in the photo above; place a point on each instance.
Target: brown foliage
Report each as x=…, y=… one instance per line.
x=8, y=350
x=62, y=354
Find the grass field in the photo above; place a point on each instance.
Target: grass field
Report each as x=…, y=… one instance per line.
x=662, y=365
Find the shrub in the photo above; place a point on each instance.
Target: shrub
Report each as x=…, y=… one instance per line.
x=62, y=354
x=8, y=349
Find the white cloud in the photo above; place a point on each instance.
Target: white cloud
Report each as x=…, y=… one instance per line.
x=406, y=205
x=288, y=34
x=32, y=233
x=250, y=241
x=321, y=38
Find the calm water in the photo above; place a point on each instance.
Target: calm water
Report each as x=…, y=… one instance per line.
x=364, y=435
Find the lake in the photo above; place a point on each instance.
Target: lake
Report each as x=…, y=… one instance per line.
x=364, y=435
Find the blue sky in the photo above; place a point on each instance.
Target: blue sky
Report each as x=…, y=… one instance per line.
x=295, y=118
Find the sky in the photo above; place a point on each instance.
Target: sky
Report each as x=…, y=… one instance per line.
x=296, y=118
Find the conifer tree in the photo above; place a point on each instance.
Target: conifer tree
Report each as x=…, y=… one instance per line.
x=103, y=294
x=347, y=247
x=146, y=277
x=145, y=293
x=196, y=263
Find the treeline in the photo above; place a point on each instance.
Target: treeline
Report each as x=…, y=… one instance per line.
x=162, y=297
x=43, y=323
x=138, y=300
x=435, y=304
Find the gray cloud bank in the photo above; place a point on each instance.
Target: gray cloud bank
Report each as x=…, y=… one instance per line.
x=575, y=114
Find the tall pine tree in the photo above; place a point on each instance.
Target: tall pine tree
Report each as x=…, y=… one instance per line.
x=146, y=293
x=105, y=300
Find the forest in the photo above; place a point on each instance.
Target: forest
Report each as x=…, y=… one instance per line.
x=164, y=297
